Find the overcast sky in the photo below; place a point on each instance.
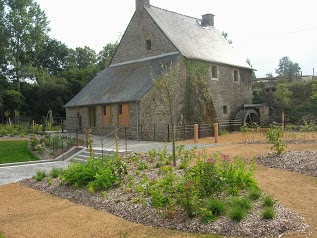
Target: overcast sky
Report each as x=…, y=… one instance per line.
x=263, y=31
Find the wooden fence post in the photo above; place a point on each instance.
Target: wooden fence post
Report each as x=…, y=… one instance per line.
x=216, y=132
x=196, y=133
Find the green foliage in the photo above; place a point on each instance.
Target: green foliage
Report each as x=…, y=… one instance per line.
x=283, y=93
x=288, y=69
x=56, y=172
x=40, y=175
x=254, y=194
x=236, y=213
x=268, y=213
x=268, y=201
x=216, y=206
x=96, y=174
x=239, y=208
x=198, y=92
x=274, y=136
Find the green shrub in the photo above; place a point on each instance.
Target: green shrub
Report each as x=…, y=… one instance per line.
x=142, y=166
x=241, y=202
x=40, y=175
x=236, y=213
x=99, y=174
x=56, y=172
x=268, y=213
x=254, y=194
x=216, y=206
x=274, y=136
x=268, y=201
x=206, y=215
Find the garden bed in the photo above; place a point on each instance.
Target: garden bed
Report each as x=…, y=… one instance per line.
x=126, y=202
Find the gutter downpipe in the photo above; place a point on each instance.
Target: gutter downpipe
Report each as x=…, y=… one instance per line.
x=137, y=119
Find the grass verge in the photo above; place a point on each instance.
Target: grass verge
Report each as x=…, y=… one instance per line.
x=15, y=151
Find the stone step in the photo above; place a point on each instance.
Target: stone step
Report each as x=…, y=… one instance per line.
x=83, y=155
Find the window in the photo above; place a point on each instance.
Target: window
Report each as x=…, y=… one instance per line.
x=120, y=109
x=92, y=116
x=236, y=75
x=213, y=71
x=148, y=44
x=225, y=109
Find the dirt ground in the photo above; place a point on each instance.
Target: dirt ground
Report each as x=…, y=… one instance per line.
x=25, y=212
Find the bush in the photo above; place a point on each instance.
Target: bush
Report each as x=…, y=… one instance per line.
x=216, y=206
x=268, y=201
x=268, y=213
x=56, y=172
x=40, y=175
x=99, y=174
x=236, y=213
x=254, y=194
x=274, y=136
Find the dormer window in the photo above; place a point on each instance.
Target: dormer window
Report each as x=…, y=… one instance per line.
x=148, y=44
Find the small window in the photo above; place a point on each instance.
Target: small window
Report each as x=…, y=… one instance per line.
x=225, y=109
x=214, y=73
x=148, y=44
x=236, y=75
x=120, y=109
x=104, y=110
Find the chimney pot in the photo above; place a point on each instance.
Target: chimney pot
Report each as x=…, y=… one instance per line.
x=140, y=4
x=208, y=20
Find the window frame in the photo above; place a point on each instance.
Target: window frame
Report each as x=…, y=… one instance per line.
x=236, y=75
x=148, y=44
x=225, y=110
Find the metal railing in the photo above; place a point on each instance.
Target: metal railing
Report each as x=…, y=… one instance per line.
x=105, y=140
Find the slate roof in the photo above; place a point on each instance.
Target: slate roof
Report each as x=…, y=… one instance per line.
x=123, y=82
x=194, y=41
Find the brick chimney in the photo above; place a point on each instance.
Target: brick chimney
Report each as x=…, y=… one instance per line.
x=208, y=20
x=140, y=4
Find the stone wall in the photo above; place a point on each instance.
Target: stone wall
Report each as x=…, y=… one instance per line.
x=226, y=92
x=133, y=43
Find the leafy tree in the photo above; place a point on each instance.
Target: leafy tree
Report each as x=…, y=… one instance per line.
x=106, y=54
x=283, y=94
x=269, y=75
x=314, y=92
x=82, y=58
x=3, y=34
x=27, y=27
x=288, y=69
x=12, y=101
x=53, y=57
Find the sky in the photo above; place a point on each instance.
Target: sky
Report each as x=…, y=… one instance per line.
x=263, y=31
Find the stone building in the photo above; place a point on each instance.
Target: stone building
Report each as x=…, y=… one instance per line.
x=213, y=81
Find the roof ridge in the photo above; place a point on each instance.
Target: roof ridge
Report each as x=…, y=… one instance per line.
x=175, y=12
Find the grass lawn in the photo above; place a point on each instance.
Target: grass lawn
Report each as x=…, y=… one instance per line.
x=15, y=151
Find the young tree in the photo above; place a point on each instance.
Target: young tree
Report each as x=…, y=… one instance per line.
x=283, y=94
x=288, y=69
x=27, y=28
x=167, y=85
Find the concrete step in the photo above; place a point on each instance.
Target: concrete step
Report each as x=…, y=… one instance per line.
x=84, y=154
